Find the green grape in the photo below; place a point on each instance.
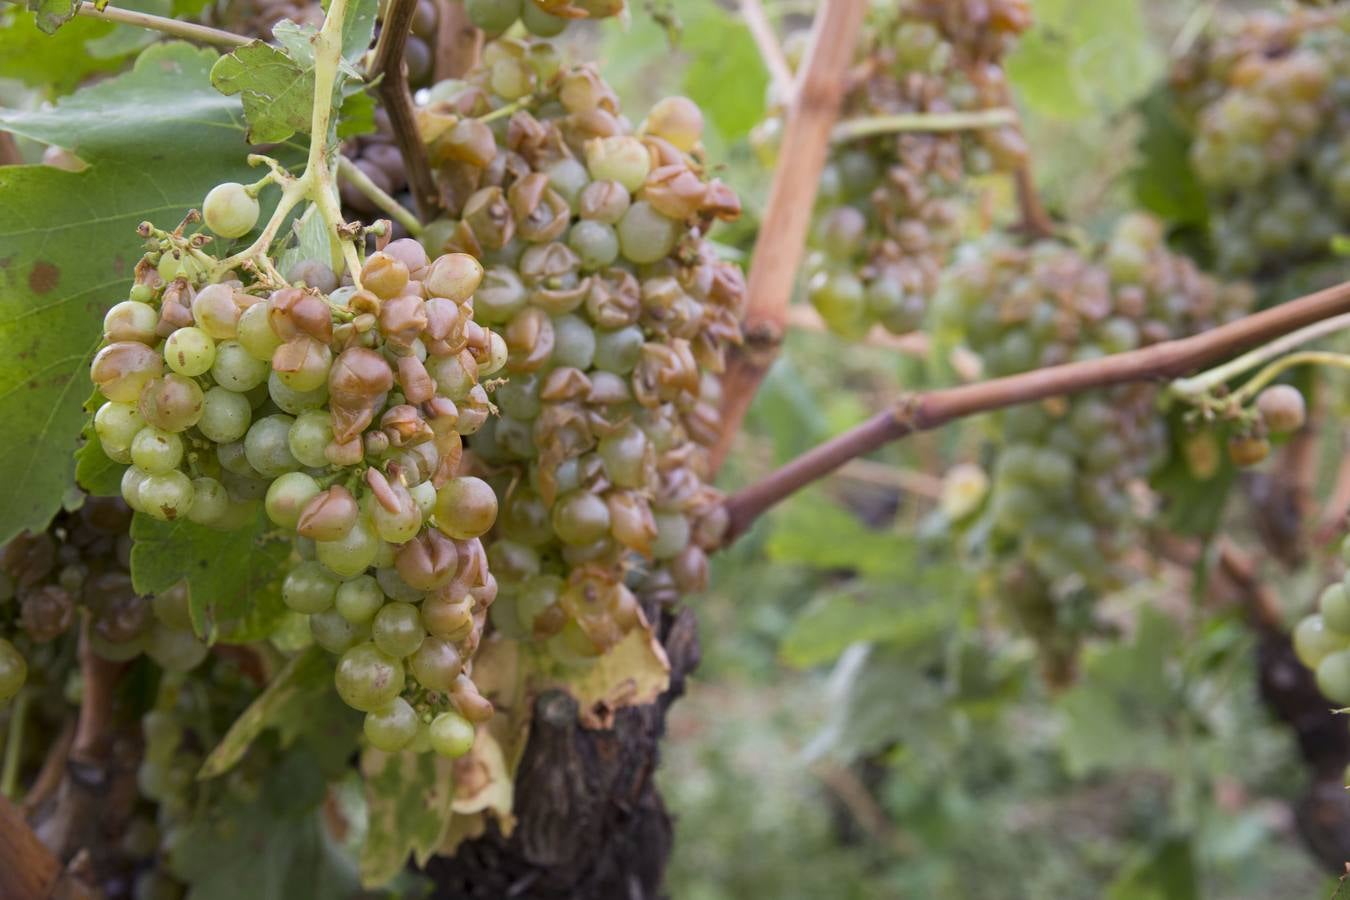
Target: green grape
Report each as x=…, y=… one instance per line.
x=677, y=120
x=175, y=650
x=117, y=425
x=367, y=678
x=210, y=502
x=1334, y=605
x=453, y=379
x=226, y=416
x=1313, y=641
x=156, y=451
x=402, y=524
x=172, y=402
x=580, y=517
x=254, y=333
x=540, y=23
x=131, y=320
x=235, y=369
x=618, y=351
x=391, y=728
x=312, y=374
x=309, y=588
x=452, y=735
x=394, y=587
x=359, y=600
x=436, y=663
x=494, y=16
x=13, y=670
x=1282, y=408
x=288, y=399
x=569, y=178
x=122, y=369
x=573, y=342
x=309, y=436
x=623, y=159
x=672, y=535
x=1333, y=677
x=595, y=242
x=839, y=298
x=500, y=296
x=190, y=351
x=466, y=507
x=229, y=210
x=267, y=448
x=351, y=555
x=645, y=235
x=233, y=459
x=166, y=495
x=334, y=633
x=424, y=495
x=397, y=629
x=132, y=479
x=519, y=397
x=627, y=456
x=216, y=312
x=287, y=496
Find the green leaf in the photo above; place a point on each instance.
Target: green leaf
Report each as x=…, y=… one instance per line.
x=234, y=577
x=277, y=91
x=836, y=620
x=811, y=530
x=1164, y=181
x=156, y=138
x=127, y=39
x=358, y=27
x=1165, y=871
x=270, y=847
x=53, y=62
x=94, y=472
x=292, y=692
x=357, y=115
x=724, y=75
x=408, y=797
x=52, y=14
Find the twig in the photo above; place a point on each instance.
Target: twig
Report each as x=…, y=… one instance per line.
x=189, y=31
x=458, y=43
x=770, y=51
x=853, y=129
x=778, y=249
x=1195, y=387
x=1032, y=218
x=27, y=869
x=373, y=192
x=388, y=67
x=921, y=412
x=53, y=769
x=9, y=771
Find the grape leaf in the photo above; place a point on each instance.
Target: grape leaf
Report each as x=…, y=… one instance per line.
x=836, y=620
x=408, y=797
x=724, y=74
x=809, y=529
x=52, y=14
x=288, y=704
x=127, y=39
x=277, y=92
x=94, y=471
x=54, y=62
x=1164, y=180
x=234, y=577
x=156, y=138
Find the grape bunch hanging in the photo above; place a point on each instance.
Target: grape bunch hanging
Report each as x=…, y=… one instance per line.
x=616, y=314
x=1056, y=522
x=889, y=212
x=1266, y=102
x=331, y=409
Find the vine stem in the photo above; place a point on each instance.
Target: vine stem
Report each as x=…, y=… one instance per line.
x=349, y=171
x=191, y=31
x=770, y=50
x=853, y=129
x=387, y=68
x=922, y=412
x=18, y=718
x=792, y=195
x=1193, y=388
x=1273, y=370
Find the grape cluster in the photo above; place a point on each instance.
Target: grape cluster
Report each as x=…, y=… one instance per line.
x=543, y=18
x=616, y=314
x=1266, y=99
x=1322, y=639
x=889, y=210
x=340, y=410
x=1056, y=518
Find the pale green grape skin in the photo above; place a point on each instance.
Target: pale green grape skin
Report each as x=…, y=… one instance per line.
x=156, y=451
x=117, y=425
x=226, y=415
x=397, y=629
x=645, y=235
x=1333, y=677
x=13, y=670
x=334, y=633
x=367, y=678
x=255, y=334
x=396, y=527
x=166, y=496
x=424, y=495
x=267, y=446
x=229, y=211
x=132, y=479
x=210, y=502
x=351, y=555
x=573, y=342
x=580, y=517
x=359, y=600
x=452, y=735
x=131, y=320
x=466, y=507
x=595, y=242
x=1313, y=641
x=391, y=728
x=618, y=351
x=287, y=496
x=312, y=376
x=190, y=351
x=309, y=435
x=1334, y=604
x=540, y=23
x=309, y=588
x=236, y=369
x=672, y=535
x=494, y=16
x=436, y=664
x=175, y=650
x=292, y=401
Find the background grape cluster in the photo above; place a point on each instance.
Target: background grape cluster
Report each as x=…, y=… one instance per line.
x=890, y=211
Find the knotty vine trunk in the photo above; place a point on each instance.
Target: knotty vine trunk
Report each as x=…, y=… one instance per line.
x=591, y=824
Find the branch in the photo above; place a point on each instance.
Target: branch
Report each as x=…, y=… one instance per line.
x=27, y=869
x=375, y=194
x=388, y=66
x=921, y=412
x=190, y=31
x=792, y=195
x=770, y=51
x=1194, y=388
x=869, y=126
